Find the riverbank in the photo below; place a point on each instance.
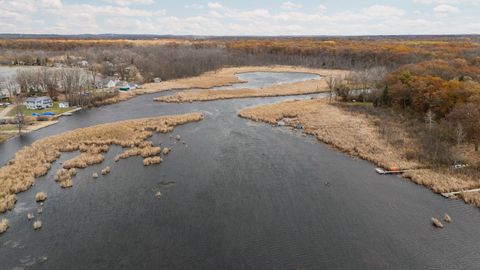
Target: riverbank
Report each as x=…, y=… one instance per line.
x=226, y=77
x=312, y=86
x=35, y=160
x=360, y=135
x=11, y=131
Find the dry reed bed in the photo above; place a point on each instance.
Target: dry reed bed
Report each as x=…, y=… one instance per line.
x=289, y=89
x=357, y=135
x=471, y=198
x=221, y=77
x=3, y=225
x=35, y=160
x=227, y=76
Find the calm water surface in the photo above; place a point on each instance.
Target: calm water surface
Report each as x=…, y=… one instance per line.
x=238, y=195
x=265, y=79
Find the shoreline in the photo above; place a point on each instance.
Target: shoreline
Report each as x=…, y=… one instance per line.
x=357, y=136
x=224, y=77
x=34, y=161
x=40, y=124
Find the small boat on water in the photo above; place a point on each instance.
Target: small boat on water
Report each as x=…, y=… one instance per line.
x=389, y=171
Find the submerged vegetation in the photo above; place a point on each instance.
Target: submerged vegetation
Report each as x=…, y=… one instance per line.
x=36, y=160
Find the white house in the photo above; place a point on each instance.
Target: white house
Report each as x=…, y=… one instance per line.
x=111, y=84
x=108, y=83
x=63, y=104
x=157, y=80
x=34, y=103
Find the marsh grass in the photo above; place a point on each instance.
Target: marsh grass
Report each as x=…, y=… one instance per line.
x=152, y=160
x=36, y=160
x=447, y=218
x=37, y=225
x=471, y=197
x=166, y=151
x=106, y=170
x=3, y=225
x=40, y=196
x=367, y=136
x=437, y=223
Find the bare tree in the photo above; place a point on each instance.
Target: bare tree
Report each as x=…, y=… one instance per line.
x=11, y=86
x=48, y=78
x=468, y=115
x=29, y=81
x=377, y=76
x=430, y=119
x=332, y=83
x=73, y=83
x=18, y=98
x=19, y=116
x=460, y=134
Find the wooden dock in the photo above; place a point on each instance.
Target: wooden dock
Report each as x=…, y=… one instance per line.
x=451, y=194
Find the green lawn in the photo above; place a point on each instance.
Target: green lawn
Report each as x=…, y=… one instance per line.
x=55, y=109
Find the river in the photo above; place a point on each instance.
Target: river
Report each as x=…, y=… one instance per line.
x=238, y=195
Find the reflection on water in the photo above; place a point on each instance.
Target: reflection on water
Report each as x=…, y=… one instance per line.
x=237, y=195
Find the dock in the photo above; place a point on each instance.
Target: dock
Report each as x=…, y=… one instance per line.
x=451, y=194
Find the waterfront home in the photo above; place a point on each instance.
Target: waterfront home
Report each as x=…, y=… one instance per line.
x=108, y=83
x=35, y=103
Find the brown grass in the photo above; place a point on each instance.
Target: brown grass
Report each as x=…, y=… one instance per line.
x=437, y=223
x=447, y=218
x=472, y=198
x=298, y=88
x=64, y=177
x=106, y=170
x=37, y=225
x=147, y=149
x=225, y=77
x=35, y=160
x=359, y=135
x=3, y=225
x=40, y=196
x=83, y=160
x=152, y=160
x=166, y=151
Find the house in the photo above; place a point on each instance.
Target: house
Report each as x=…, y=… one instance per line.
x=107, y=83
x=157, y=80
x=3, y=97
x=63, y=105
x=111, y=84
x=35, y=103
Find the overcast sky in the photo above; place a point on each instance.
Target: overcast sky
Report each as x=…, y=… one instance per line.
x=247, y=17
